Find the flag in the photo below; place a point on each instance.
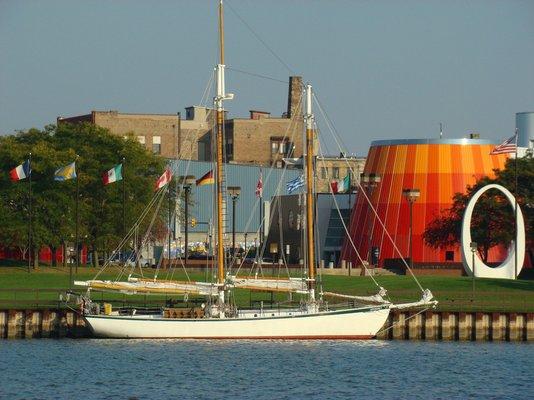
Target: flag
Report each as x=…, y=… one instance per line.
x=334, y=187
x=343, y=186
x=206, y=179
x=259, y=186
x=113, y=175
x=294, y=184
x=21, y=172
x=164, y=179
x=65, y=173
x=508, y=146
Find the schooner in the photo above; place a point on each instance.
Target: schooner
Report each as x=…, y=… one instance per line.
x=219, y=318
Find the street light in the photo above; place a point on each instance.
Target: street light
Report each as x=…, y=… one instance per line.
x=411, y=195
x=474, y=247
x=370, y=182
x=234, y=192
x=186, y=181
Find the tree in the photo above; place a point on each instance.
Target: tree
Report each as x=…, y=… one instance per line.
x=100, y=207
x=492, y=216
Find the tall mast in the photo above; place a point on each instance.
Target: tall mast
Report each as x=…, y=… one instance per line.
x=219, y=98
x=309, y=118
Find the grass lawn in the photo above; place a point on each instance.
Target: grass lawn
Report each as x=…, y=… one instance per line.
x=41, y=287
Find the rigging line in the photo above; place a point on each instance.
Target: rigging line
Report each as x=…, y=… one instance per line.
x=137, y=253
x=207, y=90
x=360, y=190
x=179, y=195
x=329, y=122
x=345, y=225
x=128, y=235
x=257, y=75
x=405, y=319
x=259, y=38
x=292, y=127
x=278, y=188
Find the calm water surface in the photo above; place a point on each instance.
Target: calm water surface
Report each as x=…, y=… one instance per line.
x=172, y=369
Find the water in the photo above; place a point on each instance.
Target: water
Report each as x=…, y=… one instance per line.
x=173, y=369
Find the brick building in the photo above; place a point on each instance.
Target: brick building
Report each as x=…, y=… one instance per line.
x=260, y=139
x=165, y=134
x=336, y=168
x=263, y=139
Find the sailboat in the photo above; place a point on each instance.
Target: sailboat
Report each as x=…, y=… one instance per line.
x=219, y=318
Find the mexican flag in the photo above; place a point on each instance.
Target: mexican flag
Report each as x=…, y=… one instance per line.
x=344, y=185
x=113, y=175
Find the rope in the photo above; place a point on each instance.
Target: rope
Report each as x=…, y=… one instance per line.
x=407, y=319
x=334, y=134
x=259, y=38
x=344, y=225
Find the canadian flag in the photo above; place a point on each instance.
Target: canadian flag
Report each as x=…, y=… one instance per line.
x=164, y=179
x=259, y=186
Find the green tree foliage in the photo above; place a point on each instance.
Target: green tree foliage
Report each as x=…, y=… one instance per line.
x=100, y=207
x=493, y=219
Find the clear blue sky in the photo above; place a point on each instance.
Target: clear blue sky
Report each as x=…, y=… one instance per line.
x=382, y=69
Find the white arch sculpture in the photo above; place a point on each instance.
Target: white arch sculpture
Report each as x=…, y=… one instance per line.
x=507, y=269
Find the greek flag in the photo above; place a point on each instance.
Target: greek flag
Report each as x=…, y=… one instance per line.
x=294, y=184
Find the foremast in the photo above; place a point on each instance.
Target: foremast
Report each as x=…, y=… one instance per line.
x=219, y=99
x=310, y=237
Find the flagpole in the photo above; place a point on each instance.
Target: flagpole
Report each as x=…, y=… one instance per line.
x=77, y=222
x=30, y=215
x=170, y=226
x=123, y=198
x=515, y=207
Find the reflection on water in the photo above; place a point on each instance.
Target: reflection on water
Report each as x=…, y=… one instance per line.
x=188, y=369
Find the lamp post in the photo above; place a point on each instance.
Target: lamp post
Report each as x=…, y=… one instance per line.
x=411, y=195
x=186, y=181
x=234, y=192
x=370, y=183
x=474, y=247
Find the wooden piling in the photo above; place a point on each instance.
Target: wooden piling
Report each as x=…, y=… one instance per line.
x=400, y=325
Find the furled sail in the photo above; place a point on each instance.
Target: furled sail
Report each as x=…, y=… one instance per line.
x=376, y=298
x=135, y=285
x=295, y=285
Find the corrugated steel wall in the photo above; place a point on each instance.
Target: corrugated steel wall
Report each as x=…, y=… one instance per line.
x=245, y=176
x=439, y=169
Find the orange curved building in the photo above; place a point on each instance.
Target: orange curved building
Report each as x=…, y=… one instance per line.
x=439, y=168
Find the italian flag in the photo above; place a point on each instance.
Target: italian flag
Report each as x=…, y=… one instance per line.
x=113, y=175
x=343, y=186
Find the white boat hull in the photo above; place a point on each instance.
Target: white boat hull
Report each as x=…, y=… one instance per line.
x=341, y=324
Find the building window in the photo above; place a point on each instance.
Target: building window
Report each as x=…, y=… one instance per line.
x=141, y=139
x=335, y=172
x=324, y=173
x=449, y=256
x=229, y=149
x=281, y=147
x=156, y=144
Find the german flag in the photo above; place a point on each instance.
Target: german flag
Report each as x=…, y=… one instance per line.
x=207, y=179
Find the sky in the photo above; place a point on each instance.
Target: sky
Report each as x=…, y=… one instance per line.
x=380, y=69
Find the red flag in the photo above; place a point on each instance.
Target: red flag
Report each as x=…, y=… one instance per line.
x=333, y=186
x=259, y=186
x=164, y=179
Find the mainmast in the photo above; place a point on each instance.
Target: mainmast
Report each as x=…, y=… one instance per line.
x=219, y=98
x=309, y=118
